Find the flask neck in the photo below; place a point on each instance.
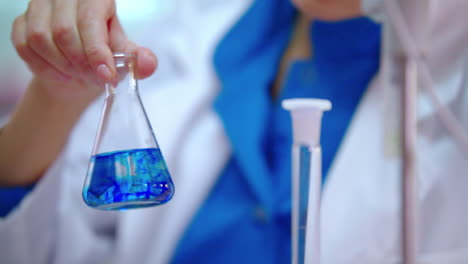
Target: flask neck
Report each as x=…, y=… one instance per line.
x=125, y=79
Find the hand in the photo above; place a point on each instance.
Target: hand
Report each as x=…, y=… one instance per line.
x=329, y=10
x=70, y=43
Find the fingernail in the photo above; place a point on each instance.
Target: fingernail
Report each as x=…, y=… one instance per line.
x=149, y=59
x=151, y=56
x=103, y=72
x=146, y=64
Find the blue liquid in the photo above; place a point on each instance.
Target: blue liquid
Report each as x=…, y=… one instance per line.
x=128, y=179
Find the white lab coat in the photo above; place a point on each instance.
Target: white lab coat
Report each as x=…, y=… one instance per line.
x=360, y=202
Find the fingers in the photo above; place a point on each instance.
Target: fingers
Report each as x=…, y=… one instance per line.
x=94, y=33
x=74, y=39
x=66, y=37
x=146, y=62
x=39, y=36
x=36, y=63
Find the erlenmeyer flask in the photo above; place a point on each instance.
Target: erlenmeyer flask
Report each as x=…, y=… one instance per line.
x=127, y=169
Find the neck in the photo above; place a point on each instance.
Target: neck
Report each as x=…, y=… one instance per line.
x=299, y=47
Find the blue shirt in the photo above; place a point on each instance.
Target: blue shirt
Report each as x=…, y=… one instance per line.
x=11, y=197
x=246, y=218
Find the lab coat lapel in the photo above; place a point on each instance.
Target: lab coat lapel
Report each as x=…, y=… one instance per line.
x=246, y=61
x=244, y=121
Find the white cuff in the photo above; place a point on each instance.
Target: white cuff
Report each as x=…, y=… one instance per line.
x=27, y=232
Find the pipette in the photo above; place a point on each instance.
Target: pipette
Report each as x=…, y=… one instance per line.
x=306, y=177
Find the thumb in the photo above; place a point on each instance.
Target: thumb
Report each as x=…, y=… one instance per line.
x=146, y=63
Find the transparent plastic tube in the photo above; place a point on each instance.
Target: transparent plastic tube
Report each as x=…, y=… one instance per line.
x=306, y=178
x=306, y=203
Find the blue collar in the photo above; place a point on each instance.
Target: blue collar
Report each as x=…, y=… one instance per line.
x=246, y=61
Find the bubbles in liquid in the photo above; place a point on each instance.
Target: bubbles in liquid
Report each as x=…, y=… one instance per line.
x=128, y=179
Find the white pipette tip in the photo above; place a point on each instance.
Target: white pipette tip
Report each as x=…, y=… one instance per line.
x=307, y=118
x=307, y=104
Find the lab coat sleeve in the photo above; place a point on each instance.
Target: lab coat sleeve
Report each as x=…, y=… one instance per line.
x=27, y=233
x=373, y=9
x=52, y=225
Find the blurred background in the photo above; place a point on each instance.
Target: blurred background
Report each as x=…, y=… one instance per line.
x=14, y=75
